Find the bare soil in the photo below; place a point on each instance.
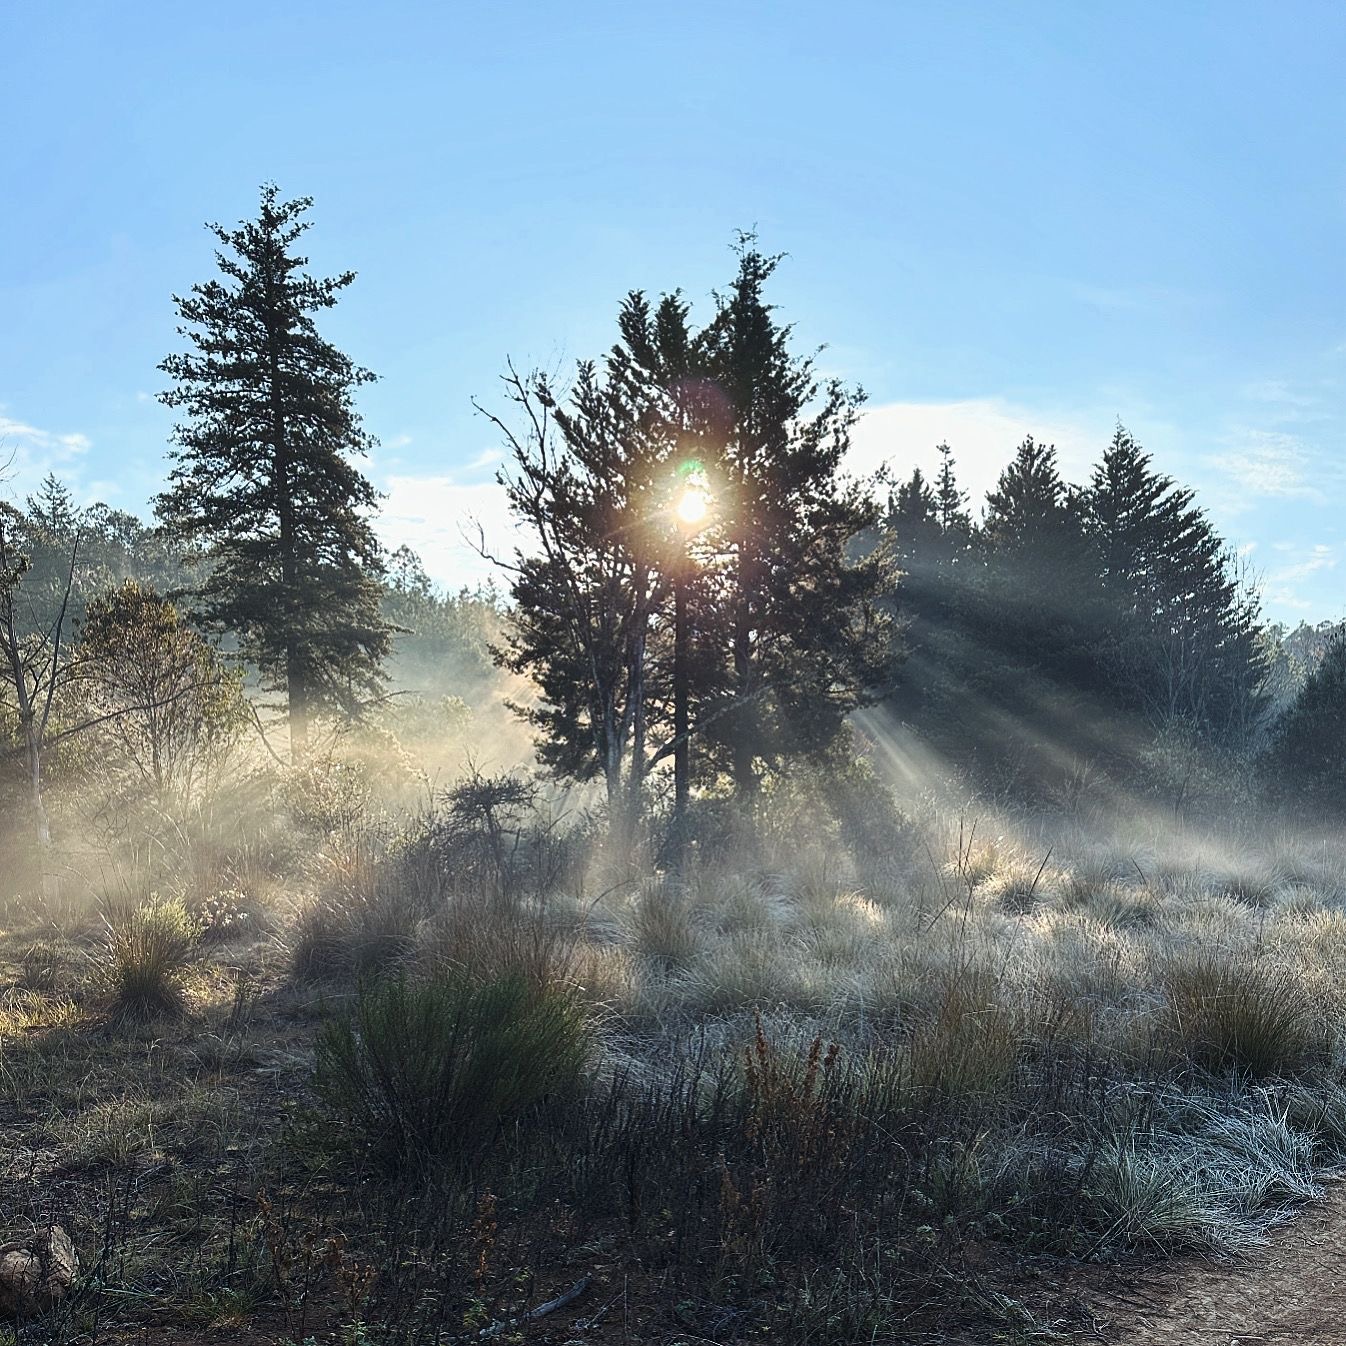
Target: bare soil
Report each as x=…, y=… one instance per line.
x=1292, y=1291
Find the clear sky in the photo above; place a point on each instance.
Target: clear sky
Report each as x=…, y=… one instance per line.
x=1000, y=218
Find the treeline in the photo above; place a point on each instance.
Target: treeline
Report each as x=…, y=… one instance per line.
x=701, y=600
x=117, y=712
x=1074, y=627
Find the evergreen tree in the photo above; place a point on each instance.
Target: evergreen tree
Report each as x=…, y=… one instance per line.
x=913, y=521
x=1179, y=636
x=803, y=639
x=736, y=638
x=1036, y=562
x=1305, y=762
x=1028, y=512
x=263, y=477
x=592, y=482
x=950, y=500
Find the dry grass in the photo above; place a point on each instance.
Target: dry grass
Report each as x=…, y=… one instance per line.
x=1046, y=1041
x=149, y=950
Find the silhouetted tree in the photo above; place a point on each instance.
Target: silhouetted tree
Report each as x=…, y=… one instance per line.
x=950, y=499
x=1178, y=634
x=263, y=477
x=803, y=635
x=591, y=481
x=1305, y=762
x=1037, y=566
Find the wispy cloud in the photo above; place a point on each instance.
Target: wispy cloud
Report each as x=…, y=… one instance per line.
x=443, y=520
x=1283, y=584
x=28, y=453
x=1266, y=464
x=1281, y=393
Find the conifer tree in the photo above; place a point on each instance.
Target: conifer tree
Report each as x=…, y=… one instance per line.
x=1024, y=599
x=804, y=639
x=1180, y=636
x=591, y=483
x=950, y=500
x=263, y=477
x=913, y=520
x=727, y=645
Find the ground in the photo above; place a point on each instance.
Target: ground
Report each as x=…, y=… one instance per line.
x=1291, y=1294
x=150, y=1139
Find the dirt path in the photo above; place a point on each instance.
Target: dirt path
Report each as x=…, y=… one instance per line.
x=1292, y=1291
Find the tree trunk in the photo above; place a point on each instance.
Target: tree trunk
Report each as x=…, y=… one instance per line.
x=296, y=679
x=682, y=747
x=744, y=757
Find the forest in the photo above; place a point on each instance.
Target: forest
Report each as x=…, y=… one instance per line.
x=785, y=904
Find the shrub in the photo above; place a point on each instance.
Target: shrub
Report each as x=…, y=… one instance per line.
x=1231, y=1012
x=148, y=950
x=434, y=1068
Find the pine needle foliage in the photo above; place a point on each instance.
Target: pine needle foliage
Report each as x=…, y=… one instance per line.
x=263, y=480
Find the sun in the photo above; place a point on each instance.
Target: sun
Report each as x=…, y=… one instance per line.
x=693, y=505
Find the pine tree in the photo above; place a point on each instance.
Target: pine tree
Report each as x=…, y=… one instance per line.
x=1029, y=509
x=950, y=500
x=1305, y=761
x=263, y=476
x=1179, y=635
x=803, y=638
x=592, y=483
x=724, y=641
x=913, y=520
x=1035, y=555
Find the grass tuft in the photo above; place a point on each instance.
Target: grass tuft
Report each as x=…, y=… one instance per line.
x=434, y=1068
x=149, y=950
x=1232, y=1012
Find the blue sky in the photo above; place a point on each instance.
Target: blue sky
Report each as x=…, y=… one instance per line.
x=1000, y=218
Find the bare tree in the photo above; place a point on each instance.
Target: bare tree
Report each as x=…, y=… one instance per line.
x=33, y=659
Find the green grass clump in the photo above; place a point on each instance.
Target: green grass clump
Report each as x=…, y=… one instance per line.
x=148, y=952
x=434, y=1068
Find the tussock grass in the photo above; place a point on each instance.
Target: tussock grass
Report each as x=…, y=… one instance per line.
x=662, y=924
x=968, y=1050
x=148, y=952
x=433, y=1068
x=1241, y=1013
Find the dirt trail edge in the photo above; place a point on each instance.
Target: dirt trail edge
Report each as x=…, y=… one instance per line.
x=1291, y=1291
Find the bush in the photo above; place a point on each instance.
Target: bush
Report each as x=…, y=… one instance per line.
x=148, y=951
x=435, y=1068
x=1230, y=1012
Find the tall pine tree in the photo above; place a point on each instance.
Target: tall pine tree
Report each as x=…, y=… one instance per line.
x=263, y=476
x=1179, y=635
x=804, y=638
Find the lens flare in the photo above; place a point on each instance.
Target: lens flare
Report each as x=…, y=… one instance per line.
x=693, y=505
